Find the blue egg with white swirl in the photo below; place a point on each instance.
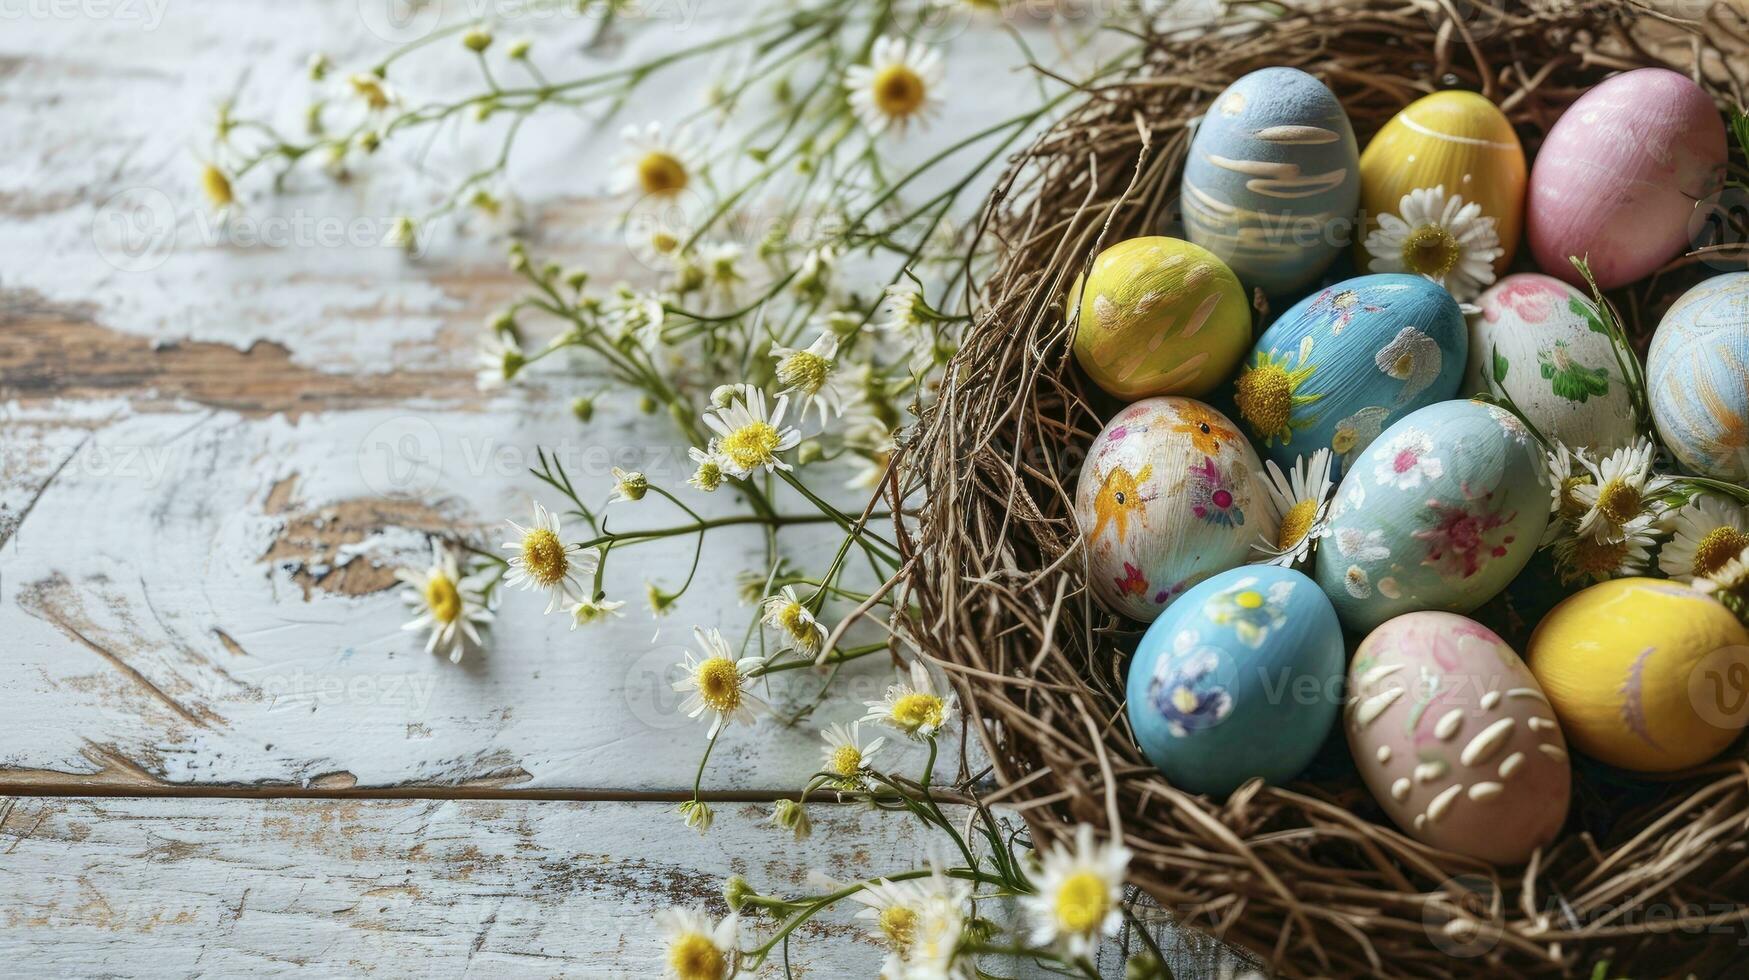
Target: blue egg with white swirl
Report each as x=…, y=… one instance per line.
x=1346, y=362
x=1240, y=677
x=1272, y=181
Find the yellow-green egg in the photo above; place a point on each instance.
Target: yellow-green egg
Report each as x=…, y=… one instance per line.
x=1455, y=140
x=1645, y=674
x=1159, y=316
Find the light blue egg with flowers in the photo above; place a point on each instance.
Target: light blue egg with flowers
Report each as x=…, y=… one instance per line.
x=1240, y=677
x=1272, y=179
x=1697, y=378
x=1346, y=362
x=1442, y=511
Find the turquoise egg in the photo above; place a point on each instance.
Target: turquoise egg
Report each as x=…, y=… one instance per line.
x=1345, y=363
x=1272, y=179
x=1241, y=677
x=1697, y=376
x=1442, y=511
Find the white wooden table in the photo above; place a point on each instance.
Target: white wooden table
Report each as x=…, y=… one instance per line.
x=222, y=754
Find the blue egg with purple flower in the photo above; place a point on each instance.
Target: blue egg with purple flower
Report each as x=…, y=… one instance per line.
x=1240, y=677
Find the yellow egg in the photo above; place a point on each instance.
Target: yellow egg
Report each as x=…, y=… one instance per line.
x=1644, y=674
x=1456, y=140
x=1160, y=316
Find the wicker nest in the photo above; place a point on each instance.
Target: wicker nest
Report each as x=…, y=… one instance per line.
x=1651, y=876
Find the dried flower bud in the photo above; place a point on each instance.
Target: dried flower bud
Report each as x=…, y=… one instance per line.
x=477, y=40
x=519, y=50
x=584, y=408
x=793, y=817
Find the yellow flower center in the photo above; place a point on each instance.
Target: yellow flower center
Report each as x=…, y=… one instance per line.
x=846, y=760
x=898, y=91
x=899, y=925
x=804, y=371
x=1430, y=251
x=1619, y=501
x=1598, y=558
x=709, y=476
x=216, y=185
x=1571, y=507
x=544, y=555
x=719, y=684
x=753, y=444
x=661, y=173
x=694, y=957
x=1266, y=398
x=1296, y=524
x=916, y=711
x=1720, y=545
x=442, y=598
x=799, y=625
x=1184, y=699
x=1082, y=903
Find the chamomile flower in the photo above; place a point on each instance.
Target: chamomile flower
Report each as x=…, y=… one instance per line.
x=718, y=683
x=447, y=606
x=748, y=438
x=501, y=359
x=815, y=272
x=628, y=485
x=1301, y=504
x=721, y=266
x=709, y=474
x=786, y=613
x=1621, y=489
x=1080, y=894
x=1708, y=532
x=1731, y=578
x=699, y=949
x=373, y=92
x=658, y=163
x=1438, y=236
x=594, y=611
x=807, y=373
x=913, y=708
x=1581, y=557
x=920, y=921
x=900, y=85
x=902, y=308
x=541, y=560
x=846, y=756
x=638, y=315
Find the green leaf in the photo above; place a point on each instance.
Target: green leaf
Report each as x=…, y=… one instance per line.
x=1588, y=313
x=1740, y=126
x=1500, y=366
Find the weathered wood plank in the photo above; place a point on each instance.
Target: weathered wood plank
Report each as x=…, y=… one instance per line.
x=173, y=887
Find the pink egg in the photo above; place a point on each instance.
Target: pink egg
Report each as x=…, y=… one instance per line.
x=1456, y=739
x=1619, y=174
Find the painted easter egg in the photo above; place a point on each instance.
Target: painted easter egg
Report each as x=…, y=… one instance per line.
x=1166, y=498
x=1455, y=739
x=1443, y=152
x=1345, y=363
x=1645, y=674
x=1272, y=179
x=1697, y=377
x=1540, y=342
x=1242, y=677
x=1442, y=511
x=1617, y=177
x=1159, y=316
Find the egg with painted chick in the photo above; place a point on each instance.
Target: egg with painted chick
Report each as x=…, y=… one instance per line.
x=1442, y=511
x=1240, y=678
x=1166, y=498
x=1616, y=179
x=1644, y=674
x=1540, y=342
x=1272, y=179
x=1442, y=188
x=1697, y=378
x=1159, y=316
x=1455, y=738
x=1346, y=362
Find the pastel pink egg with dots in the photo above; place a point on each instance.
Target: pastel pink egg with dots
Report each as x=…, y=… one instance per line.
x=1619, y=175
x=1456, y=739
